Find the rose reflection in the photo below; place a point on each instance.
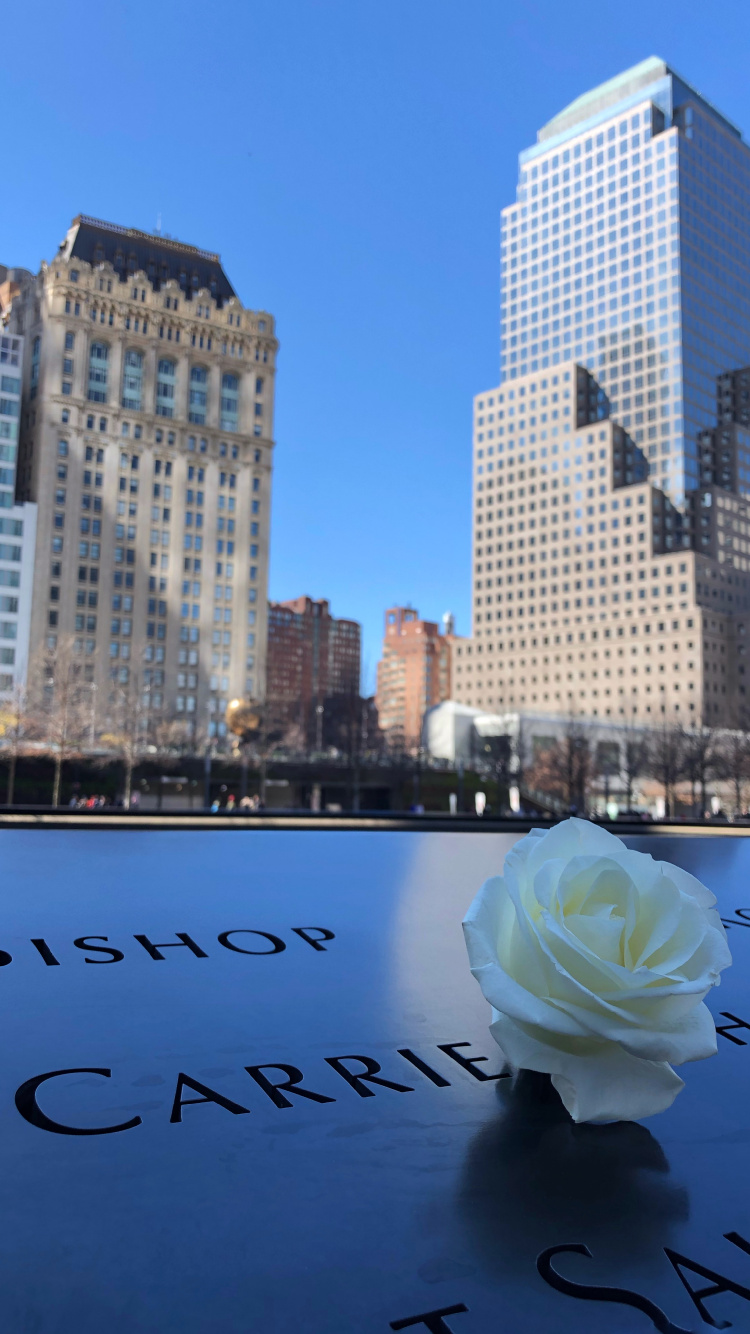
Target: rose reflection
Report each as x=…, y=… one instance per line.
x=532, y=1179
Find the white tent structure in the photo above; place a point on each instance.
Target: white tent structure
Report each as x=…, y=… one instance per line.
x=450, y=730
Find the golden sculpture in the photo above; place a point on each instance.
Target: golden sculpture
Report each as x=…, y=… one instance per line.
x=243, y=717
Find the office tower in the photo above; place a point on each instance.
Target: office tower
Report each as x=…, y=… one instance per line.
x=414, y=673
x=632, y=224
x=612, y=463
x=594, y=594
x=17, y=522
x=313, y=664
x=146, y=441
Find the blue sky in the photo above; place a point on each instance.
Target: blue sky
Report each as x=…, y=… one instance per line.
x=349, y=160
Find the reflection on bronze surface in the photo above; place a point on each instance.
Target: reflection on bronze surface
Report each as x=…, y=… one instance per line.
x=533, y=1179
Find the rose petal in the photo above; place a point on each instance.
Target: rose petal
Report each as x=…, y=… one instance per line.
x=596, y=961
x=603, y=1083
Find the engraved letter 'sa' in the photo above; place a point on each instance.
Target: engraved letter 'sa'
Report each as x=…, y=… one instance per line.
x=595, y=1293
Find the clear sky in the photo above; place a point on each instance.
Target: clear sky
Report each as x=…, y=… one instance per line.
x=349, y=161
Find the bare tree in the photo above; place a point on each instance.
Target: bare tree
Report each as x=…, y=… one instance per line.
x=565, y=768
x=667, y=760
x=59, y=698
x=608, y=765
x=636, y=760
x=13, y=728
x=127, y=722
x=270, y=733
x=261, y=726
x=702, y=757
x=735, y=757
x=172, y=737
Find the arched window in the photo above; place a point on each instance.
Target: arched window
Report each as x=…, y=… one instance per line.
x=132, y=381
x=98, y=370
x=230, y=405
x=198, y=395
x=165, y=388
x=36, y=350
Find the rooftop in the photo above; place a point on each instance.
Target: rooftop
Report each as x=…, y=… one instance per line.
x=623, y=87
x=160, y=257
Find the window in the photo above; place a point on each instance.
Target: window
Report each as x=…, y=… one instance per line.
x=98, y=359
x=9, y=349
x=132, y=381
x=198, y=395
x=35, y=353
x=165, y=387
x=70, y=339
x=230, y=387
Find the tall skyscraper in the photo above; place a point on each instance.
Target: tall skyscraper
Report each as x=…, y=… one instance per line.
x=146, y=440
x=612, y=463
x=17, y=522
x=633, y=220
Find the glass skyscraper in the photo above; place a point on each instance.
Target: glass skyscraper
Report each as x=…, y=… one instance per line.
x=17, y=522
x=628, y=252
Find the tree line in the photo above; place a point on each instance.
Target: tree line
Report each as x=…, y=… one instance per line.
x=582, y=771
x=61, y=713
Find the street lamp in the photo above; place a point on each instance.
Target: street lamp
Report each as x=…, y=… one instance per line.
x=92, y=721
x=207, y=760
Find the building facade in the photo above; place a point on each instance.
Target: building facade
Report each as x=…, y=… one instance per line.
x=414, y=673
x=594, y=594
x=17, y=524
x=314, y=662
x=146, y=442
x=611, y=469
x=632, y=222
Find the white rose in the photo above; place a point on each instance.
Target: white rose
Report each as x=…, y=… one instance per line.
x=595, y=960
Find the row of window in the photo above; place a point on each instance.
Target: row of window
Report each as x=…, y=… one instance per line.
x=166, y=385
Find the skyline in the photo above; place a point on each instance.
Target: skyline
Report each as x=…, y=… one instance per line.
x=384, y=281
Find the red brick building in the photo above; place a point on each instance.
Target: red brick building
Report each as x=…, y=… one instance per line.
x=313, y=662
x=413, y=674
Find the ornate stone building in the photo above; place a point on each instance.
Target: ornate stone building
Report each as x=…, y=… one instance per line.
x=146, y=441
